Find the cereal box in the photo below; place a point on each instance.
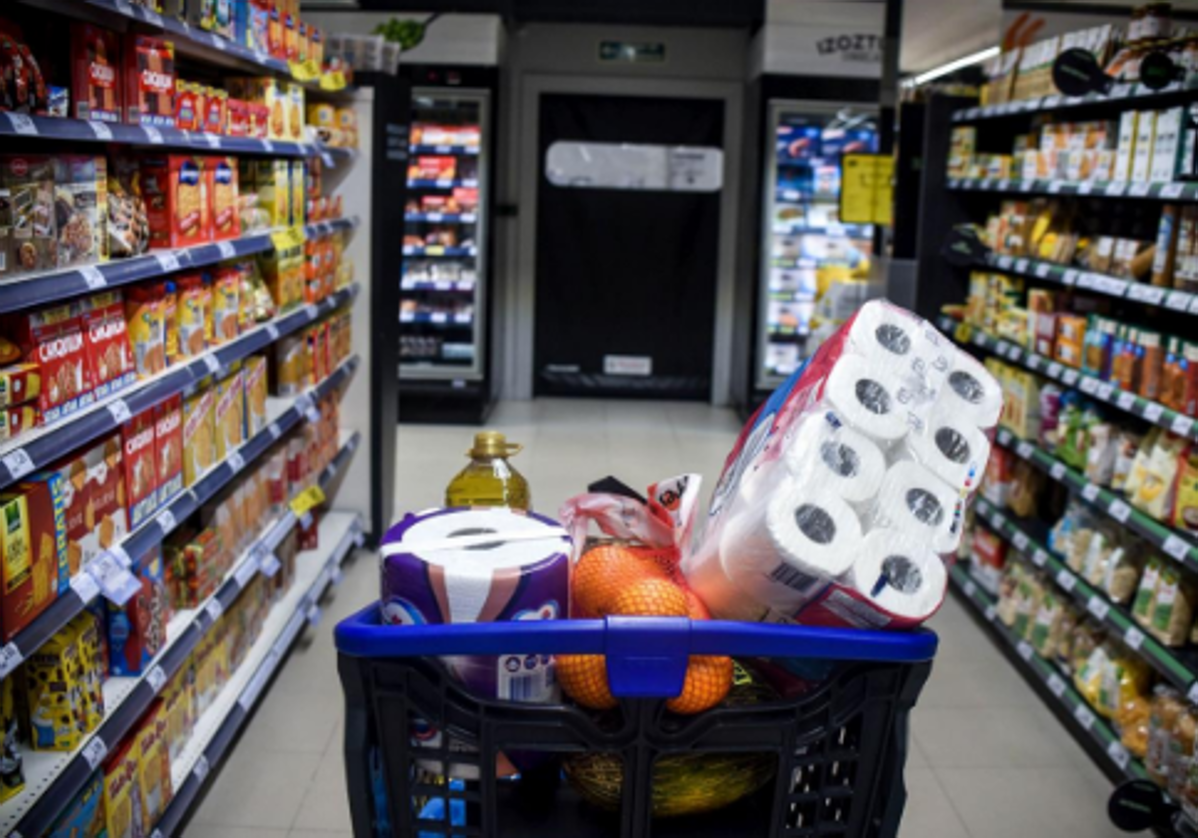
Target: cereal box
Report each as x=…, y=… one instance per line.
x=141, y=475
x=54, y=337
x=137, y=630
x=93, y=501
x=54, y=694
x=146, y=324
x=106, y=341
x=83, y=817
x=199, y=434
x=226, y=313
x=123, y=807
x=29, y=181
x=155, y=762
x=168, y=447
x=149, y=81
x=178, y=712
x=20, y=383
x=30, y=544
x=95, y=87
x=194, y=306
x=12, y=767
x=230, y=414
x=255, y=395
x=81, y=208
x=222, y=193
x=173, y=187
x=89, y=632
x=216, y=103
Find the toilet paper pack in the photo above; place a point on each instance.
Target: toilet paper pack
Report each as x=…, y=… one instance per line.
x=879, y=439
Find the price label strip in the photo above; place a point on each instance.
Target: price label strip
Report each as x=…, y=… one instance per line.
x=115, y=582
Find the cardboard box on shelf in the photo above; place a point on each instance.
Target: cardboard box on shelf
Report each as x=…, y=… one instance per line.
x=176, y=203
x=149, y=81
x=168, y=448
x=141, y=473
x=221, y=173
x=20, y=383
x=53, y=337
x=199, y=433
x=81, y=208
x=124, y=811
x=106, y=341
x=137, y=630
x=96, y=82
x=33, y=548
x=93, y=485
x=52, y=681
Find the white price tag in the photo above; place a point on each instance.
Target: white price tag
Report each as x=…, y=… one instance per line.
x=998, y=520
x=152, y=17
x=22, y=124
x=116, y=583
x=1119, y=511
x=1025, y=650
x=312, y=311
x=1115, y=188
x=1069, y=277
x=1179, y=300
x=1087, y=280
x=10, y=659
x=1034, y=361
x=273, y=428
x=121, y=555
x=336, y=576
x=1039, y=557
x=1020, y=540
x=214, y=609
x=1172, y=190
x=92, y=277
x=1025, y=449
x=1054, y=370
x=17, y=463
x=167, y=261
x=1104, y=391
x=85, y=587
x=120, y=411
x=351, y=444
x=1153, y=411
x=94, y=752
x=268, y=146
x=155, y=677
x=211, y=363
x=235, y=461
x=1192, y=693
x=271, y=565
x=1176, y=547
x=1004, y=436
x=272, y=331
x=1085, y=187
x=970, y=588
x=100, y=129
x=201, y=769
x=1181, y=425
x=1089, y=385
x=1057, y=471
x=1098, y=607
x=1145, y=293
x=1118, y=754
x=312, y=414
x=1066, y=579
x=213, y=140
x=1084, y=716
x=1139, y=190
x=1069, y=377
x=227, y=250
x=1004, y=263
x=1090, y=492
x=359, y=539
x=1055, y=186
x=1043, y=269
x=152, y=134
x=314, y=615
x=246, y=570
x=1133, y=637
x=1119, y=91
x=1056, y=684
x=166, y=521
x=990, y=613
x=1021, y=265
x=1125, y=400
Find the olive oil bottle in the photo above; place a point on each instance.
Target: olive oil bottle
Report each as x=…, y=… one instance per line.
x=489, y=479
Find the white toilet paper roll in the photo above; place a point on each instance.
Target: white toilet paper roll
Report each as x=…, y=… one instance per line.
x=916, y=501
x=955, y=450
x=724, y=598
x=971, y=393
x=783, y=552
x=919, y=355
x=864, y=394
x=899, y=573
x=826, y=453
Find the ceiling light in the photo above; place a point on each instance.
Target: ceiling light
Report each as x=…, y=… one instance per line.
x=951, y=67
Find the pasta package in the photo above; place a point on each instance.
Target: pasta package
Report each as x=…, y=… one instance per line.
x=221, y=174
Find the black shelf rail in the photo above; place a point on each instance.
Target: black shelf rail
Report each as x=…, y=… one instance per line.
x=1176, y=191
x=1121, y=96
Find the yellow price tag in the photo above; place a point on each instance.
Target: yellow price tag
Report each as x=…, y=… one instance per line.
x=304, y=70
x=963, y=333
x=306, y=500
x=288, y=239
x=435, y=250
x=332, y=80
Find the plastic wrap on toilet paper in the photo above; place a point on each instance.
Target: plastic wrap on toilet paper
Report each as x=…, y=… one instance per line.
x=888, y=424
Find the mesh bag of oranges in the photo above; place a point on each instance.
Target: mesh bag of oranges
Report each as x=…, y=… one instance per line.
x=630, y=548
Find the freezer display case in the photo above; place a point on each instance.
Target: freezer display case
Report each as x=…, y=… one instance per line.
x=814, y=268
x=443, y=282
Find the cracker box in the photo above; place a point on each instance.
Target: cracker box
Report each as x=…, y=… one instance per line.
x=195, y=307
x=12, y=767
x=199, y=434
x=125, y=816
x=93, y=486
x=149, y=81
x=155, y=762
x=187, y=106
x=168, y=447
x=177, y=700
x=54, y=694
x=226, y=312
x=216, y=103
x=173, y=187
x=141, y=475
x=29, y=181
x=31, y=545
x=106, y=341
x=83, y=817
x=54, y=338
x=198, y=569
x=289, y=365
x=137, y=630
x=95, y=83
x=145, y=319
x=20, y=383
x=81, y=208
x=255, y=395
x=270, y=93
x=230, y=414
x=258, y=123
x=221, y=173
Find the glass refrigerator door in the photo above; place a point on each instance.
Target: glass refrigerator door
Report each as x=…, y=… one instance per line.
x=814, y=269
x=441, y=315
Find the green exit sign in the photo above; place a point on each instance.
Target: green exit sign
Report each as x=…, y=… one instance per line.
x=633, y=53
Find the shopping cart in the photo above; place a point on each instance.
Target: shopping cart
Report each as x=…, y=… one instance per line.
x=840, y=746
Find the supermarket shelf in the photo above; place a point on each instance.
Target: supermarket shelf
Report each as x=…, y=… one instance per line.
x=434, y=285
x=442, y=217
x=135, y=545
x=215, y=731
x=1086, y=722
x=438, y=250
x=444, y=149
x=841, y=231
x=1182, y=192
x=94, y=131
x=418, y=183
x=1181, y=673
x=1125, y=96
x=47, y=444
x=42, y=288
x=792, y=296
x=436, y=318
x=1111, y=286
x=1180, y=546
x=1153, y=412
x=51, y=778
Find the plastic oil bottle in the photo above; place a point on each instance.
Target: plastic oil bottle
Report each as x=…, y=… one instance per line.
x=489, y=479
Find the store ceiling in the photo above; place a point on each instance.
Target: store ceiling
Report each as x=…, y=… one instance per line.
x=938, y=31
x=731, y=13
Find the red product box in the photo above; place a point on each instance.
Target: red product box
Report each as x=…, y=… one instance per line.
x=168, y=447
x=93, y=501
x=149, y=81
x=215, y=109
x=141, y=473
x=433, y=168
x=221, y=175
x=106, y=340
x=96, y=82
x=54, y=338
x=237, y=118
x=989, y=549
x=259, y=120
x=187, y=106
x=173, y=187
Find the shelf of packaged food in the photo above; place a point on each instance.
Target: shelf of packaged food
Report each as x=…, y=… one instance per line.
x=792, y=296
x=438, y=250
x=1124, y=95
x=444, y=149
x=1178, y=671
x=1176, y=191
x=1110, y=286
x=1036, y=669
x=285, y=415
x=836, y=231
x=442, y=217
x=94, y=131
x=1150, y=411
x=438, y=285
x=54, y=777
x=420, y=183
x=1179, y=546
x=28, y=290
x=45, y=444
x=436, y=318
x=215, y=731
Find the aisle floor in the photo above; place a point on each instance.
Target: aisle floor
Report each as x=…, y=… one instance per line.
x=988, y=760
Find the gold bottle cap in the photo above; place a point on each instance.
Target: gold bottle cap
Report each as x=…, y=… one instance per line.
x=493, y=444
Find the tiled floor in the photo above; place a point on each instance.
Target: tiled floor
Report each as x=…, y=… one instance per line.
x=988, y=759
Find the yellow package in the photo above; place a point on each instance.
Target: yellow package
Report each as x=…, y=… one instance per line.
x=295, y=112
x=1155, y=492
x=89, y=637
x=199, y=434
x=230, y=413
x=123, y=808
x=1089, y=676
x=1185, y=506
x=290, y=365
x=12, y=771
x=153, y=762
x=273, y=179
x=1139, y=463
x=53, y=688
x=255, y=395
x=295, y=192
x=1124, y=679
x=195, y=308
x=178, y=712
x=1172, y=608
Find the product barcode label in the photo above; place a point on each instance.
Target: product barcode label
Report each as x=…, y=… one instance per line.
x=1133, y=637
x=1098, y=607
x=1153, y=411
x=1066, y=579
x=1020, y=540
x=1021, y=265
x=1004, y=436
x=989, y=613
x=312, y=414
x=1172, y=190
x=1087, y=280
x=1145, y=293
x=152, y=134
x=1025, y=450
x=92, y=277
x=236, y=461
x=226, y=249
x=1084, y=716
x=336, y=576
x=1004, y=263
x=85, y=587
x=120, y=411
x=10, y=659
x=273, y=428
x=22, y=124
x=314, y=615
x=156, y=678
x=312, y=311
x=1057, y=471
x=359, y=539
x=1090, y=492
x=1181, y=425
x=1192, y=694
x=1125, y=400
x=1056, y=684
x=94, y=751
x=1025, y=650
x=100, y=129
x=970, y=588
x=1104, y=391
x=272, y=331
x=267, y=146
x=1055, y=186
x=1054, y=370
x=167, y=261
x=17, y=463
x=1039, y=557
x=1043, y=269
x=214, y=609
x=1085, y=188
x=201, y=768
x=166, y=521
x=1176, y=547
x=1118, y=754
x=1119, y=91
x=1119, y=510
x=305, y=520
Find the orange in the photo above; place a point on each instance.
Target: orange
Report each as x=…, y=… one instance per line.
x=650, y=598
x=696, y=609
x=584, y=678
x=708, y=680
x=602, y=573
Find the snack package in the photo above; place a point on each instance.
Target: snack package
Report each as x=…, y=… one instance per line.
x=170, y=321
x=12, y=767
x=149, y=81
x=141, y=472
x=168, y=447
x=54, y=338
x=83, y=816
x=96, y=83
x=1167, y=705
x=221, y=173
x=255, y=395
x=31, y=238
x=106, y=341
x=154, y=762
x=93, y=501
x=81, y=208
x=128, y=227
x=194, y=309
x=1173, y=608
x=811, y=522
x=199, y=434
x=1157, y=487
x=145, y=319
x=1181, y=750
x=54, y=689
x=230, y=414
x=33, y=550
x=176, y=202
x=124, y=812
